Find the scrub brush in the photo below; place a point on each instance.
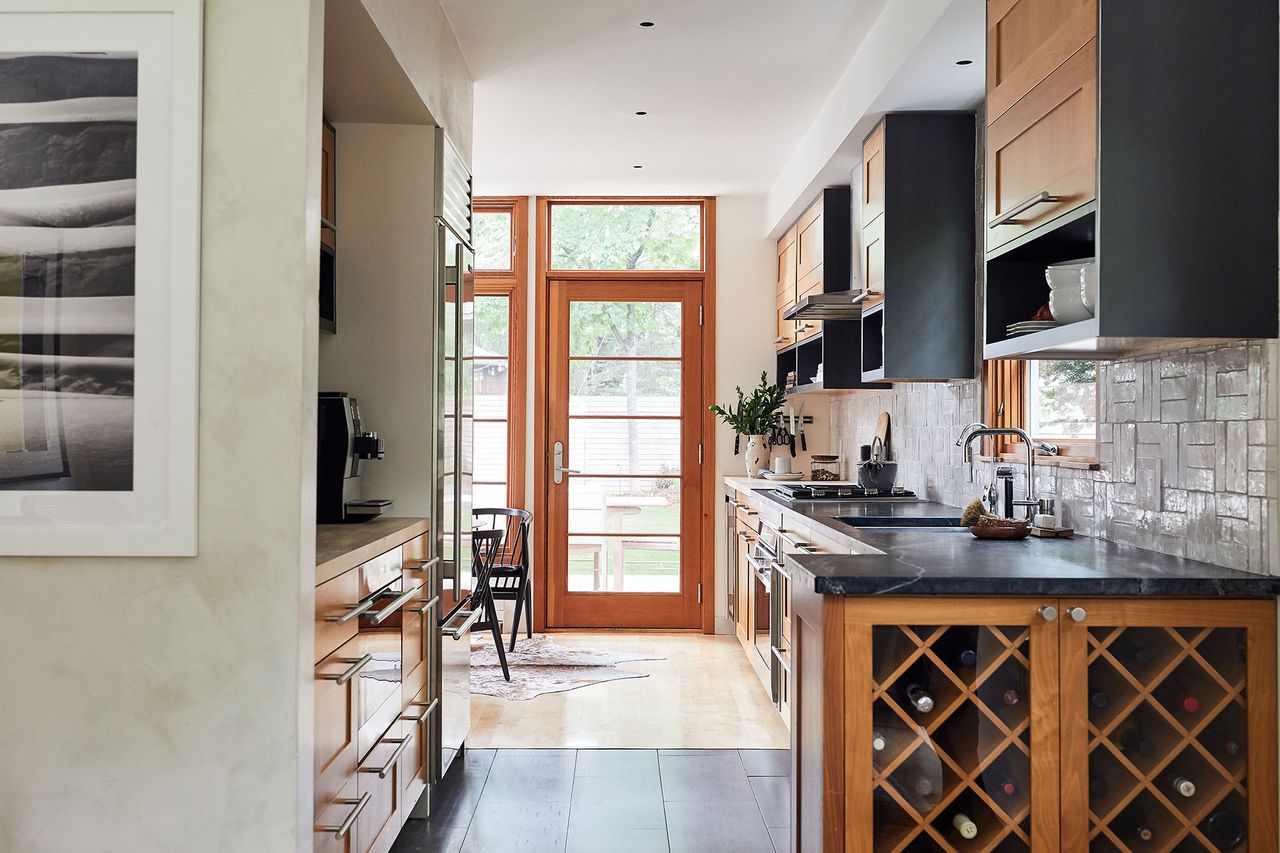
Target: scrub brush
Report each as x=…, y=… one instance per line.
x=971, y=514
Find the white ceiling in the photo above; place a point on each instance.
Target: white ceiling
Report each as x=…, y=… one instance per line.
x=730, y=87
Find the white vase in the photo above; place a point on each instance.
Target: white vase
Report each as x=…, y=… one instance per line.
x=757, y=454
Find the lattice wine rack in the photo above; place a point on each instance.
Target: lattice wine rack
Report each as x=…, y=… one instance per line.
x=1167, y=749
x=951, y=738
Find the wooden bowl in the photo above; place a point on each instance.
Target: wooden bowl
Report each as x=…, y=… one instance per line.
x=984, y=529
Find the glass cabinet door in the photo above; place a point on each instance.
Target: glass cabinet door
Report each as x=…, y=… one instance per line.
x=962, y=733
x=1157, y=695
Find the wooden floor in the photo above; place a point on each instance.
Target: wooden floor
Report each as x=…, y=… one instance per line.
x=703, y=696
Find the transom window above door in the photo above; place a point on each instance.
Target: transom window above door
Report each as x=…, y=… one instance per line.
x=623, y=235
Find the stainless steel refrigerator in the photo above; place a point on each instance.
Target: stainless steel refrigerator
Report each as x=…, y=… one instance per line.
x=455, y=456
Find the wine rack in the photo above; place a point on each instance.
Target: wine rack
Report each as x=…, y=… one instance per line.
x=951, y=738
x=1167, y=736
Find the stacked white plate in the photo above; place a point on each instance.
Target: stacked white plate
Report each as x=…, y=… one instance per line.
x=1067, y=300
x=1026, y=327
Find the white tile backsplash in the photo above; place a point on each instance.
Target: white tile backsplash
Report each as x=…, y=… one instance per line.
x=1187, y=441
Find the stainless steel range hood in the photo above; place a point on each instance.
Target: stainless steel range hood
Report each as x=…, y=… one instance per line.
x=842, y=305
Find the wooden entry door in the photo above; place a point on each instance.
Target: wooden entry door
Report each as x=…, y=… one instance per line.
x=623, y=447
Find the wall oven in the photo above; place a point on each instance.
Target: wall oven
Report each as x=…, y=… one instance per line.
x=772, y=618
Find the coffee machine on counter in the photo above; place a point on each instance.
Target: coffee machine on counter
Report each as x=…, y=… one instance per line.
x=341, y=445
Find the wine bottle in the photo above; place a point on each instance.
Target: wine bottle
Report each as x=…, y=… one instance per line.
x=1008, y=787
x=1137, y=653
x=923, y=786
x=966, y=827
x=1183, y=786
x=1185, y=700
x=1010, y=697
x=919, y=698
x=1142, y=832
x=1097, y=787
x=1132, y=742
x=1225, y=829
x=878, y=742
x=966, y=658
x=1099, y=699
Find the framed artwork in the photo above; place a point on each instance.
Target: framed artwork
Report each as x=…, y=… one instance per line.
x=99, y=277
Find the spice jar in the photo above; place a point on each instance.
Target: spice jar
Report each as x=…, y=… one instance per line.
x=825, y=468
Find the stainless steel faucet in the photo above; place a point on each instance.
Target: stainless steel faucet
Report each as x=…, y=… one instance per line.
x=979, y=430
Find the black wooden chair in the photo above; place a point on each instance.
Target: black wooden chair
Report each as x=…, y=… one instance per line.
x=511, y=579
x=486, y=545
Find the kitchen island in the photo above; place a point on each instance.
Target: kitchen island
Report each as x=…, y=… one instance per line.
x=951, y=693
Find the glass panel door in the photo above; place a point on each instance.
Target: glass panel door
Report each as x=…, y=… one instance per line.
x=624, y=394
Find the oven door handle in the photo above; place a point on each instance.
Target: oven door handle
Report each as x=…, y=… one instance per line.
x=469, y=618
x=356, y=610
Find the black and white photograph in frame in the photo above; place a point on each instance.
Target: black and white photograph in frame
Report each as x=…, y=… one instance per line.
x=99, y=192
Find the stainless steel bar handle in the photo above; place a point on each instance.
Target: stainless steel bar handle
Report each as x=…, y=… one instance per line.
x=777, y=567
x=1010, y=215
x=1077, y=614
x=343, y=677
x=427, y=605
x=356, y=610
x=777, y=653
x=341, y=830
x=470, y=617
x=1048, y=612
x=395, y=755
x=426, y=565
x=422, y=718
x=400, y=601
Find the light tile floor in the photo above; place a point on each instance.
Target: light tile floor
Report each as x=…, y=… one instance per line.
x=608, y=801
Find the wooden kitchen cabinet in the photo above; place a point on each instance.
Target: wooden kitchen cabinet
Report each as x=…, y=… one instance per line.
x=1027, y=40
x=918, y=249
x=330, y=834
x=809, y=240
x=786, y=290
x=746, y=582
x=336, y=722
x=1045, y=144
x=328, y=185
x=1071, y=733
x=379, y=776
x=1105, y=143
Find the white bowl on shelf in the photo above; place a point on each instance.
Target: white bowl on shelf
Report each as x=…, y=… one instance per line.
x=1065, y=292
x=1089, y=287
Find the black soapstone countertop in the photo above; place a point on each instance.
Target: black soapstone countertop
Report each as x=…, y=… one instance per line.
x=951, y=561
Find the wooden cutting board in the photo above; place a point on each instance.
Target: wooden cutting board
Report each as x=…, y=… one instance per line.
x=882, y=432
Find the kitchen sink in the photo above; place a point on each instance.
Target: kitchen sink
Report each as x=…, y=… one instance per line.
x=944, y=522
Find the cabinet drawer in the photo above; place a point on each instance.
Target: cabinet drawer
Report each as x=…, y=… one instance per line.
x=334, y=600
x=416, y=635
x=873, y=176
x=415, y=765
x=328, y=836
x=786, y=330
x=1046, y=143
x=379, y=823
x=873, y=255
x=1027, y=40
x=748, y=516
x=809, y=242
x=336, y=723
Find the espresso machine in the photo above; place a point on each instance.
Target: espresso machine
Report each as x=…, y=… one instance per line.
x=341, y=445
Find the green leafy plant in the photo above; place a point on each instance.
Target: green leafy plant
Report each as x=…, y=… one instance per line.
x=757, y=414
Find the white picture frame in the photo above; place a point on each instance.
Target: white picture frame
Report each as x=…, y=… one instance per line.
x=128, y=479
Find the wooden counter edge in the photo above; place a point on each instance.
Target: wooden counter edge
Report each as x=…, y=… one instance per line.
x=385, y=541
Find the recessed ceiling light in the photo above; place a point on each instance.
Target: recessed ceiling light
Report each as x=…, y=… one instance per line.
x=646, y=24
x=637, y=167
x=964, y=62
x=642, y=112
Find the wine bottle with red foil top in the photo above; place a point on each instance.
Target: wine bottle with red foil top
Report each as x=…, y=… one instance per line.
x=1184, y=699
x=1221, y=742
x=1011, y=697
x=1008, y=787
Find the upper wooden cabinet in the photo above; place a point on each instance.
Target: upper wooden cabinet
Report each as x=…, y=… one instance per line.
x=1141, y=136
x=328, y=184
x=786, y=295
x=1045, y=146
x=809, y=240
x=1027, y=40
x=918, y=251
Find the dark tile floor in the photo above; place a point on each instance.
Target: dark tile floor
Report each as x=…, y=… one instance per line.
x=608, y=801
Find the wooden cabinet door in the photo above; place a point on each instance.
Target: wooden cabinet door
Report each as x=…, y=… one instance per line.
x=786, y=289
x=335, y=831
x=336, y=722
x=810, y=285
x=950, y=720
x=328, y=184
x=379, y=777
x=746, y=583
x=873, y=176
x=415, y=770
x=1027, y=40
x=1168, y=725
x=1046, y=143
x=335, y=601
x=809, y=241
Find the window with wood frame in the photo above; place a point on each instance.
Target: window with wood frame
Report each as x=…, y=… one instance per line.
x=1054, y=401
x=625, y=234
x=500, y=226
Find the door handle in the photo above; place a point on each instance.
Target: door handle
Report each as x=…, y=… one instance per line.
x=557, y=460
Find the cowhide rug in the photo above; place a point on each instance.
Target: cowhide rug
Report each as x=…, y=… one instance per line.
x=539, y=666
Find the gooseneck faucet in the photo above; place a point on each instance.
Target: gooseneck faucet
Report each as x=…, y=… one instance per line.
x=979, y=430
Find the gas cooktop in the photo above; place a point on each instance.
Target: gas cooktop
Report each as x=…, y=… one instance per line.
x=840, y=492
